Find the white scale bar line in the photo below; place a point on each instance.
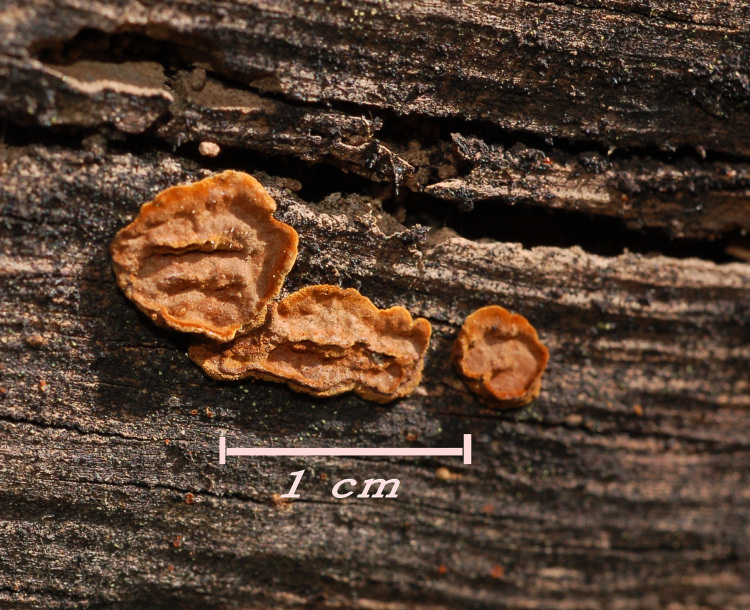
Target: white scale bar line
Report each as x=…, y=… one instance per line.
x=325, y=451
x=464, y=451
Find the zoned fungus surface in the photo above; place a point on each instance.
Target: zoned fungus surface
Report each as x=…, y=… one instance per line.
x=500, y=357
x=324, y=340
x=206, y=257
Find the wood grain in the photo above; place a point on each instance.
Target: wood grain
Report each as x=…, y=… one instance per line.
x=107, y=425
x=622, y=486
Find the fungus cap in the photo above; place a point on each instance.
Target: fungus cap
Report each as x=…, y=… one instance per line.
x=500, y=357
x=206, y=257
x=324, y=341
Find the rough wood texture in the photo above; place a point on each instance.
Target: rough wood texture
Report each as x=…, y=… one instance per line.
x=622, y=486
x=686, y=198
x=622, y=72
x=668, y=81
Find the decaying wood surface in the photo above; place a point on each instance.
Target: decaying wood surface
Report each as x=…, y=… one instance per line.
x=621, y=486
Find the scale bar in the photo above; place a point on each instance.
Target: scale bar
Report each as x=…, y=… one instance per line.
x=464, y=451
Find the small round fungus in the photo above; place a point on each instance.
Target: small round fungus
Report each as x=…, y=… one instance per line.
x=209, y=149
x=324, y=340
x=206, y=257
x=500, y=357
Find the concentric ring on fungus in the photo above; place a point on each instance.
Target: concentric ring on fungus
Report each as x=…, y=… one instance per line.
x=206, y=257
x=324, y=341
x=500, y=357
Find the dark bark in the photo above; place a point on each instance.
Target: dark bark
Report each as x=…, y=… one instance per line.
x=621, y=486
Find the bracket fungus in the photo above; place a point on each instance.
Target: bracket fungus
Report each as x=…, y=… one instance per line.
x=206, y=257
x=324, y=341
x=500, y=357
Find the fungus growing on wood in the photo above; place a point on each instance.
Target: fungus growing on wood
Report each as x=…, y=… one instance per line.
x=206, y=257
x=325, y=341
x=500, y=357
x=209, y=149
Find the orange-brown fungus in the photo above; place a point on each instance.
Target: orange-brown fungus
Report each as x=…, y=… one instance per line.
x=206, y=257
x=500, y=357
x=325, y=341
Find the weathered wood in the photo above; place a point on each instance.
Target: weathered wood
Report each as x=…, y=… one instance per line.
x=622, y=486
x=132, y=97
x=619, y=72
x=107, y=425
x=686, y=198
x=594, y=95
